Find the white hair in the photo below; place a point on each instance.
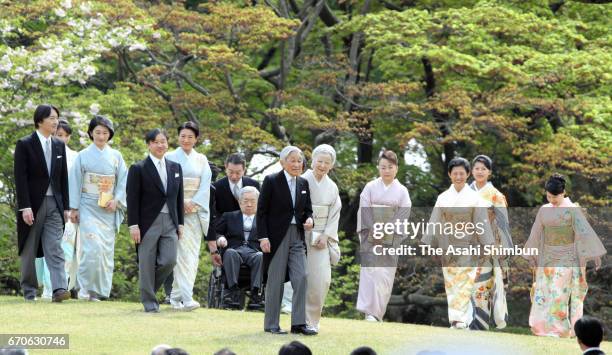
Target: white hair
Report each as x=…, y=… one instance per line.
x=324, y=149
x=248, y=189
x=160, y=349
x=288, y=150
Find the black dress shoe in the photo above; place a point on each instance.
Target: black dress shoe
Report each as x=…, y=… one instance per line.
x=255, y=302
x=231, y=298
x=152, y=310
x=276, y=331
x=60, y=295
x=303, y=329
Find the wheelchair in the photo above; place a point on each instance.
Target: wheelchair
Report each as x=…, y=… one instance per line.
x=217, y=285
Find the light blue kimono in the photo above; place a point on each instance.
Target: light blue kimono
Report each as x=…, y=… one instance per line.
x=97, y=226
x=194, y=166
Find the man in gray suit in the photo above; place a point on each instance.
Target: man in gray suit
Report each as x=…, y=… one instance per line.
x=155, y=215
x=284, y=211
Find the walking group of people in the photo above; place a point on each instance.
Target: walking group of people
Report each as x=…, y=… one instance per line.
x=474, y=284
x=71, y=205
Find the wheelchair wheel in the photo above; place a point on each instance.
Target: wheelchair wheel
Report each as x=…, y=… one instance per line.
x=215, y=288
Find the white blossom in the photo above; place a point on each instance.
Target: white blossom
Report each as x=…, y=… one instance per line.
x=94, y=108
x=138, y=47
x=85, y=7
x=67, y=4
x=59, y=12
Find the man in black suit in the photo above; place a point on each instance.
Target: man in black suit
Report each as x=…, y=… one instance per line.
x=238, y=231
x=41, y=180
x=227, y=189
x=284, y=211
x=589, y=334
x=155, y=215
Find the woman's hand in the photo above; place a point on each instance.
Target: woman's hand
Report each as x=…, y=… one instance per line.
x=74, y=216
x=111, y=206
x=321, y=243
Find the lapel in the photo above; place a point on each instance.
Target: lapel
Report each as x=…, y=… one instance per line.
x=54, y=154
x=39, y=153
x=169, y=177
x=152, y=170
x=225, y=184
x=285, y=188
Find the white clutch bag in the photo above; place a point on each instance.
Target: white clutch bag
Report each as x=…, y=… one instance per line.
x=314, y=236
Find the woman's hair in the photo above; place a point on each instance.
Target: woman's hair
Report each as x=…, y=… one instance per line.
x=555, y=184
x=65, y=126
x=190, y=125
x=388, y=155
x=462, y=162
x=324, y=149
x=43, y=111
x=100, y=121
x=485, y=160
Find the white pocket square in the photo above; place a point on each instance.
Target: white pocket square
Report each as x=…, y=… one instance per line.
x=177, y=175
x=59, y=157
x=303, y=192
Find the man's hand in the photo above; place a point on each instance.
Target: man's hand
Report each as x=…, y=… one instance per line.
x=135, y=233
x=179, y=232
x=216, y=259
x=309, y=224
x=221, y=242
x=28, y=216
x=265, y=245
x=190, y=207
x=66, y=216
x=111, y=206
x=321, y=243
x=74, y=216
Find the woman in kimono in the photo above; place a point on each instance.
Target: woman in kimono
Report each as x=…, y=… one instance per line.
x=566, y=242
x=489, y=296
x=97, y=201
x=384, y=199
x=63, y=132
x=196, y=186
x=322, y=241
x=456, y=207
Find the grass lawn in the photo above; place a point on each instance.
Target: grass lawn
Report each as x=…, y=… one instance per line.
x=122, y=328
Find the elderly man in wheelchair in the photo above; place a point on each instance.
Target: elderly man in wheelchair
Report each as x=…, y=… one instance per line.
x=237, y=239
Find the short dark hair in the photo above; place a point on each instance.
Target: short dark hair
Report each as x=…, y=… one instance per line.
x=462, y=162
x=65, y=126
x=363, y=350
x=555, y=184
x=388, y=155
x=43, y=111
x=100, y=121
x=193, y=126
x=294, y=348
x=485, y=160
x=225, y=351
x=589, y=331
x=175, y=351
x=152, y=134
x=236, y=158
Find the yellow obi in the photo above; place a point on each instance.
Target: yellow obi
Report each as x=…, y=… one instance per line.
x=190, y=187
x=558, y=235
x=320, y=214
x=97, y=183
